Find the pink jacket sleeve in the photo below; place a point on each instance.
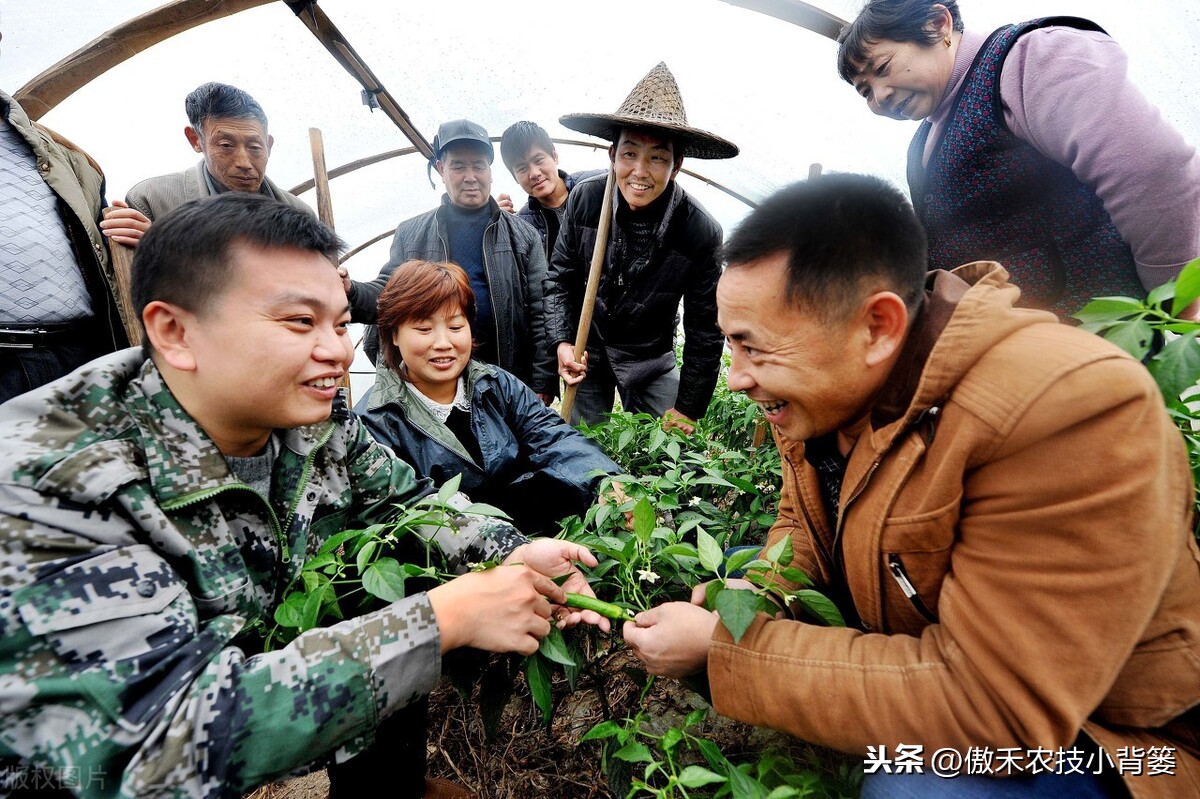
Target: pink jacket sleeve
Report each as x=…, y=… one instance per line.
x=1068, y=93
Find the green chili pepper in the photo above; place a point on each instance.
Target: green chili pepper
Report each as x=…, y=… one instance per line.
x=603, y=608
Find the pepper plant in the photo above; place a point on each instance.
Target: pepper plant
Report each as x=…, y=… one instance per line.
x=1152, y=331
x=356, y=568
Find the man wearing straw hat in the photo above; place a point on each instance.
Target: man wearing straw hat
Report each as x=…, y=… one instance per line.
x=662, y=248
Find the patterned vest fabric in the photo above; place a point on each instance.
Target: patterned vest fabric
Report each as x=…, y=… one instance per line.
x=987, y=195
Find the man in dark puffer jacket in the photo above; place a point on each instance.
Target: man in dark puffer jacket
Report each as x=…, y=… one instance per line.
x=501, y=254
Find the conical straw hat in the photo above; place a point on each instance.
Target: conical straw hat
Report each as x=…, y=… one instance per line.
x=654, y=103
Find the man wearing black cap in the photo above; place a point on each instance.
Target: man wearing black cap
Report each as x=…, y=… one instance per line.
x=662, y=249
x=501, y=254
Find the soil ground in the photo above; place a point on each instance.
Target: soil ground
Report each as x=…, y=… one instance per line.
x=524, y=758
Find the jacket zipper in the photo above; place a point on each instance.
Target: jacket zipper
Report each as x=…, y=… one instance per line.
x=276, y=529
x=209, y=493
x=896, y=566
x=928, y=417
x=487, y=272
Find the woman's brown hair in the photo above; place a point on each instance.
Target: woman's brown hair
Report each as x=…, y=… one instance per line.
x=418, y=290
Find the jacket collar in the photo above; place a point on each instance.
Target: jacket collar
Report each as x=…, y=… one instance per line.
x=15, y=115
x=569, y=180
x=392, y=389
x=493, y=208
x=181, y=459
x=674, y=198
x=967, y=311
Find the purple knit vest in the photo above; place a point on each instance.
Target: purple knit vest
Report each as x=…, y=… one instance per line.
x=987, y=195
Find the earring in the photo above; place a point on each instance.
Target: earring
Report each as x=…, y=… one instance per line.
x=947, y=41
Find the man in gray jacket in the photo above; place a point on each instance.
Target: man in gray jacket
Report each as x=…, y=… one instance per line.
x=229, y=128
x=502, y=255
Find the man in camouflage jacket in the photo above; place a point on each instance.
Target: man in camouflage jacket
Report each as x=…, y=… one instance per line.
x=133, y=558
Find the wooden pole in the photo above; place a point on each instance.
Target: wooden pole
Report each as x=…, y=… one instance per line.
x=313, y=18
x=593, y=285
x=324, y=205
x=320, y=177
x=121, y=256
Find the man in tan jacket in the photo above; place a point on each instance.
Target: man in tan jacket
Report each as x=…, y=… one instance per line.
x=998, y=503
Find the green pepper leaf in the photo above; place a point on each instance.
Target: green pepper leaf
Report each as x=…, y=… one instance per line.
x=537, y=675
x=1177, y=366
x=781, y=552
x=643, y=520
x=484, y=509
x=605, y=729
x=449, y=489
x=553, y=647
x=711, y=555
x=740, y=558
x=384, y=579
x=634, y=752
x=290, y=612
x=310, y=613
x=1160, y=294
x=1109, y=309
x=1133, y=336
x=737, y=608
x=697, y=776
x=795, y=576
x=712, y=753
x=820, y=606
x=1187, y=287
x=337, y=539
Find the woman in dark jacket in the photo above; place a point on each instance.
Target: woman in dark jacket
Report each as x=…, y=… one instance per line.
x=449, y=415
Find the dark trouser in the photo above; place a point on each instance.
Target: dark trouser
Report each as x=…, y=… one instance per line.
x=395, y=760
x=535, y=502
x=22, y=370
x=594, y=397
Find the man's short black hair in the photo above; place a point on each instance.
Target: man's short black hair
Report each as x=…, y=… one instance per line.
x=521, y=137
x=893, y=20
x=186, y=256
x=845, y=236
x=221, y=101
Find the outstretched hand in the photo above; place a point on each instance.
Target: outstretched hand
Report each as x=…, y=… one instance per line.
x=673, y=639
x=673, y=419
x=555, y=558
x=505, y=609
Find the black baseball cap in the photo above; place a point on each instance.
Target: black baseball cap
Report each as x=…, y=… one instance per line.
x=457, y=130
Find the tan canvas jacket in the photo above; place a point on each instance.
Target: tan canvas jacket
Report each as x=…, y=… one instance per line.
x=1042, y=513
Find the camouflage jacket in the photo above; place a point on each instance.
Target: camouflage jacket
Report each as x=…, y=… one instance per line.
x=131, y=557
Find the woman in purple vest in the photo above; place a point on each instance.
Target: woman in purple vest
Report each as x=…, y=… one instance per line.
x=1036, y=150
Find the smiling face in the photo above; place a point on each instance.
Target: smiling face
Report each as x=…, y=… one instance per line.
x=644, y=165
x=904, y=80
x=435, y=351
x=270, y=350
x=467, y=174
x=809, y=378
x=537, y=172
x=235, y=151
